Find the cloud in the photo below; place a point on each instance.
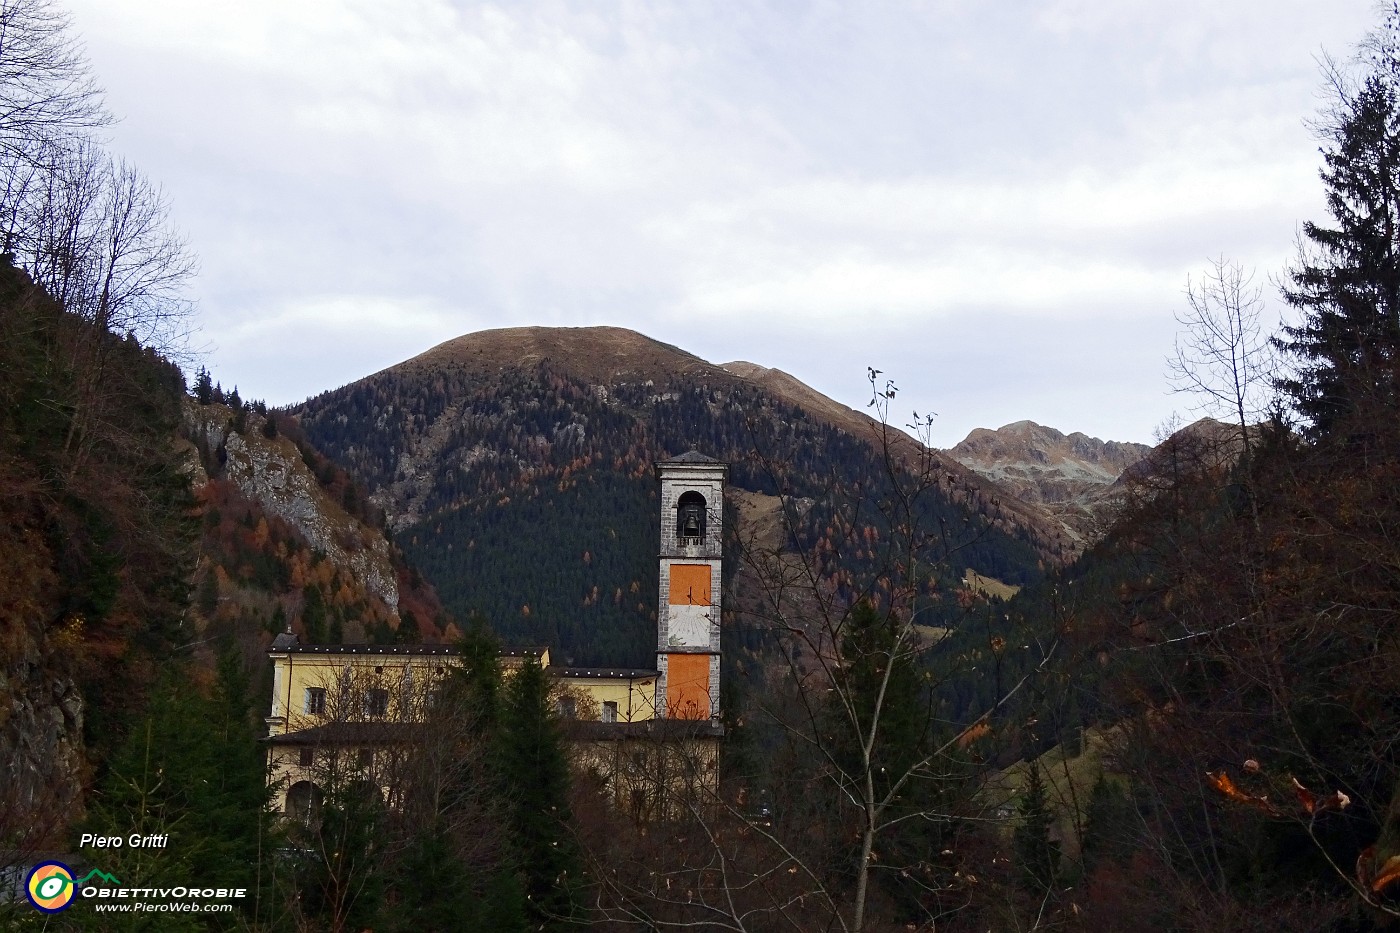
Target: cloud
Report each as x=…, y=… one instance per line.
x=392, y=173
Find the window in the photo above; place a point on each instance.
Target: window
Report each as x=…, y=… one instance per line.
x=364, y=758
x=377, y=702
x=315, y=701
x=568, y=709
x=609, y=711
x=304, y=759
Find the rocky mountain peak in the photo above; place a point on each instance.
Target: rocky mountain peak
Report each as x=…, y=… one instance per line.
x=1065, y=473
x=1028, y=442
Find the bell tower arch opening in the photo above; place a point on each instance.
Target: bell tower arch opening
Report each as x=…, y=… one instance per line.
x=690, y=518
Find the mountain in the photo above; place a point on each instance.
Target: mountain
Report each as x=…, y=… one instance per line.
x=1211, y=446
x=514, y=468
x=1021, y=511
x=1067, y=475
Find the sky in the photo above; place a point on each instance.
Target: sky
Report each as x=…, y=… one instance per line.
x=997, y=205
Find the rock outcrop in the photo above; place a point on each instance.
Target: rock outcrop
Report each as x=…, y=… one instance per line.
x=270, y=471
x=43, y=762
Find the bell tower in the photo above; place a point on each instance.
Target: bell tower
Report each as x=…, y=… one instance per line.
x=688, y=613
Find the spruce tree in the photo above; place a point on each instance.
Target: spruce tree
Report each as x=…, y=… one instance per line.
x=1037, y=857
x=203, y=387
x=1108, y=823
x=535, y=774
x=871, y=644
x=432, y=889
x=191, y=769
x=477, y=682
x=1347, y=281
x=882, y=690
x=407, y=632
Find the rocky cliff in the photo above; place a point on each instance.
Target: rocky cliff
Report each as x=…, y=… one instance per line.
x=271, y=472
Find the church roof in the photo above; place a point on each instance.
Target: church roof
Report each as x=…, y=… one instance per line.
x=604, y=673
x=285, y=640
x=366, y=649
x=295, y=647
x=692, y=456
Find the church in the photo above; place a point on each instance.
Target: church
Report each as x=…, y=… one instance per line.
x=645, y=734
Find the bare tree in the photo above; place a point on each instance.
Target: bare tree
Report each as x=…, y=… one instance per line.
x=869, y=667
x=88, y=227
x=93, y=232
x=1224, y=355
x=47, y=97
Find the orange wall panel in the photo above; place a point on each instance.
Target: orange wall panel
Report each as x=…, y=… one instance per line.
x=690, y=585
x=688, y=686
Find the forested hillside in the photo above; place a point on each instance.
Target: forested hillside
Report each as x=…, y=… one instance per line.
x=97, y=539
x=291, y=542
x=526, y=492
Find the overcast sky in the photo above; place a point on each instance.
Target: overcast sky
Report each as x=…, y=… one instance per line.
x=996, y=203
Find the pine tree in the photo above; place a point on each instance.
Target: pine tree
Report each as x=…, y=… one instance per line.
x=313, y=615
x=1347, y=282
x=535, y=775
x=203, y=387
x=869, y=647
x=240, y=411
x=192, y=769
x=882, y=690
x=1108, y=823
x=477, y=682
x=1036, y=856
x=431, y=891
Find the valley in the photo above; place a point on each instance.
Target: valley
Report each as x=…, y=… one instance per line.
x=549, y=628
